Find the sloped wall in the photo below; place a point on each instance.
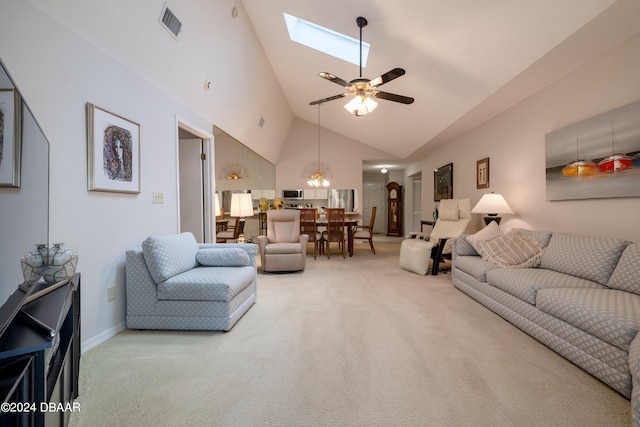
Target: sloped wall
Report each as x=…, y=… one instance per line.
x=515, y=143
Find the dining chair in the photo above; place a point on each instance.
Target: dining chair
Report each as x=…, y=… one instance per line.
x=365, y=232
x=309, y=227
x=231, y=233
x=335, y=230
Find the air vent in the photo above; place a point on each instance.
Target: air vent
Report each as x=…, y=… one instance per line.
x=170, y=22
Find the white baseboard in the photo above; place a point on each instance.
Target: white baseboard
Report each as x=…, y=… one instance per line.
x=104, y=336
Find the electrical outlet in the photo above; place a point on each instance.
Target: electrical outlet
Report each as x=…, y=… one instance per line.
x=158, y=197
x=111, y=294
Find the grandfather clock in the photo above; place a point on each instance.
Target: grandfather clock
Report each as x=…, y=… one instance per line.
x=394, y=211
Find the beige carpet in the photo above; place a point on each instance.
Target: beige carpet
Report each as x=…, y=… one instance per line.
x=355, y=342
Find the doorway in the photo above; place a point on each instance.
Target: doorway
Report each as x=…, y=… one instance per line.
x=416, y=201
x=195, y=182
x=373, y=194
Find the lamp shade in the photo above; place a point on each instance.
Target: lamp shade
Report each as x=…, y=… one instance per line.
x=216, y=205
x=492, y=204
x=241, y=205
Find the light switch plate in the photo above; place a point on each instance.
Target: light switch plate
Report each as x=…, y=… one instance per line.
x=158, y=197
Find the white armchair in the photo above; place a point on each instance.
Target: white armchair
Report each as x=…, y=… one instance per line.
x=420, y=250
x=283, y=248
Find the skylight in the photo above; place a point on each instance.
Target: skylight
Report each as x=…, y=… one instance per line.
x=326, y=40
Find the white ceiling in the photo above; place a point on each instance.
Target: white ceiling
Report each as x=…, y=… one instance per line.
x=457, y=54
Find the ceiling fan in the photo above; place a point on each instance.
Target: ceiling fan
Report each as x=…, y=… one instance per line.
x=364, y=89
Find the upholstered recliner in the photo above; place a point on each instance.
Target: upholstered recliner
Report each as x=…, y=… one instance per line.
x=420, y=249
x=283, y=248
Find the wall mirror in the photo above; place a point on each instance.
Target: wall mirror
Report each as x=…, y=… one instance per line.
x=24, y=208
x=239, y=168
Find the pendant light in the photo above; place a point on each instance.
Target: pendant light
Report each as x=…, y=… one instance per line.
x=317, y=178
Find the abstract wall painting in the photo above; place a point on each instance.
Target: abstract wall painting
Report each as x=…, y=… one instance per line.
x=595, y=158
x=113, y=152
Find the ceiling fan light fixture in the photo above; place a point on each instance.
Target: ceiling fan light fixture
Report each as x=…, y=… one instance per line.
x=361, y=105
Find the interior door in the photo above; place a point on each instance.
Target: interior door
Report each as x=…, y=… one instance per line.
x=373, y=194
x=416, y=212
x=191, y=187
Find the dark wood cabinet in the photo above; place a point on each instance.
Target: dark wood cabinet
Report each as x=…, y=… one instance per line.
x=40, y=355
x=394, y=209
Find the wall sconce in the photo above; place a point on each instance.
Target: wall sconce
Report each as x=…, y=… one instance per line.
x=492, y=204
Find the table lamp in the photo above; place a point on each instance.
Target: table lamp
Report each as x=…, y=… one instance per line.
x=492, y=204
x=241, y=206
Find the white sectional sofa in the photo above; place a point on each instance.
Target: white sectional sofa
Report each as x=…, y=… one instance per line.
x=579, y=295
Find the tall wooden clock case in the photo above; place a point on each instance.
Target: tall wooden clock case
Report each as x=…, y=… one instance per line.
x=394, y=216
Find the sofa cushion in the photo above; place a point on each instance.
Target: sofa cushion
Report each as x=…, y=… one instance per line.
x=525, y=283
x=474, y=265
x=222, y=257
x=609, y=314
x=449, y=215
x=167, y=256
x=541, y=237
x=626, y=275
x=489, y=232
x=591, y=258
x=511, y=250
x=282, y=248
x=206, y=284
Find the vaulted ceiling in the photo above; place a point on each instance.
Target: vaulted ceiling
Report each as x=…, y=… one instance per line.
x=458, y=56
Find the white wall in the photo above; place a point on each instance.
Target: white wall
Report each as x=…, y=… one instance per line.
x=58, y=72
x=213, y=46
x=342, y=155
x=515, y=143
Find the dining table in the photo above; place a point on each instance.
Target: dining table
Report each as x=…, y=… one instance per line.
x=350, y=225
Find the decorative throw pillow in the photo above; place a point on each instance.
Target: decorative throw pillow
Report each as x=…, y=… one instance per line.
x=489, y=232
x=511, y=250
x=449, y=215
x=220, y=257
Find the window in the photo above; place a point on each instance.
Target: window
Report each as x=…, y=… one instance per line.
x=326, y=40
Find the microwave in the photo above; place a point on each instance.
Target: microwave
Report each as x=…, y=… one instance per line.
x=293, y=194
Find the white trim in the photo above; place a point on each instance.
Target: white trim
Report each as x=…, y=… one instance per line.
x=96, y=340
x=209, y=175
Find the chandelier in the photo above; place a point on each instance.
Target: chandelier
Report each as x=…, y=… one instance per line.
x=317, y=178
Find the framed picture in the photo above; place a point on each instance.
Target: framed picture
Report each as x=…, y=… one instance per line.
x=10, y=137
x=595, y=158
x=482, y=173
x=443, y=183
x=113, y=152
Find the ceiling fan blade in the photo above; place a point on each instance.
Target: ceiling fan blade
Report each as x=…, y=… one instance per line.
x=387, y=77
x=393, y=97
x=331, y=98
x=335, y=79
